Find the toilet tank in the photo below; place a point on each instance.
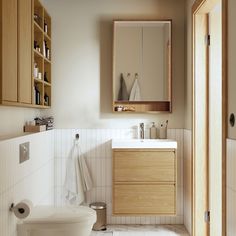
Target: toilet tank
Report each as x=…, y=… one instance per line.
x=50, y=221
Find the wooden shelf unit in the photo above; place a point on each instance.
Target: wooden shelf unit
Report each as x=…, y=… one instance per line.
x=41, y=40
x=142, y=106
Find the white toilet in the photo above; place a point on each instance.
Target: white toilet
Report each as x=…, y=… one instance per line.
x=62, y=221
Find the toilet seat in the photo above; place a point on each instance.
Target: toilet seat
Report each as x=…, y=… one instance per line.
x=60, y=215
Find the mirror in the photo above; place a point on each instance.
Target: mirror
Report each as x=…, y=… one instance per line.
x=142, y=66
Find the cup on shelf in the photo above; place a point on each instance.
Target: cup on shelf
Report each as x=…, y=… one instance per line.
x=36, y=71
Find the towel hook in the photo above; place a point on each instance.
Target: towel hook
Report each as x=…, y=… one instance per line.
x=77, y=136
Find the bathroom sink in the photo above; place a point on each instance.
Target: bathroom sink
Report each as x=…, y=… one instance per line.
x=143, y=143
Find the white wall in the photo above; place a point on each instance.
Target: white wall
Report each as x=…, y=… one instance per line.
x=82, y=59
x=188, y=62
x=12, y=119
x=231, y=187
x=231, y=64
x=33, y=179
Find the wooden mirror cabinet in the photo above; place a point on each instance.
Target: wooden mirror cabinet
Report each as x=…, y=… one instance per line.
x=142, y=66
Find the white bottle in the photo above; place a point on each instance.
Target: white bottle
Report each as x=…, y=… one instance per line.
x=163, y=132
x=153, y=131
x=36, y=70
x=44, y=48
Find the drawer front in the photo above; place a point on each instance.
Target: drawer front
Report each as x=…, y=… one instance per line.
x=144, y=166
x=144, y=199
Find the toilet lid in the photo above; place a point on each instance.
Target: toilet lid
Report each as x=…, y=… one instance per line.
x=47, y=214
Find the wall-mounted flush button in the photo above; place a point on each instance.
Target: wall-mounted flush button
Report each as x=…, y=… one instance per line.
x=232, y=120
x=24, y=152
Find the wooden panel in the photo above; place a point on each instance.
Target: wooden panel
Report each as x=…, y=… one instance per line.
x=9, y=50
x=24, y=51
x=200, y=150
x=155, y=166
x=144, y=199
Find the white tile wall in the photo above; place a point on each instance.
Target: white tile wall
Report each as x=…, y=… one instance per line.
x=187, y=179
x=41, y=178
x=231, y=187
x=33, y=179
x=96, y=144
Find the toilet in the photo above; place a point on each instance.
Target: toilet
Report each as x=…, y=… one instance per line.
x=58, y=221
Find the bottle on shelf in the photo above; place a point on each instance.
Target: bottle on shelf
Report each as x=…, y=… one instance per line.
x=38, y=48
x=46, y=100
x=35, y=44
x=37, y=96
x=44, y=48
x=39, y=75
x=48, y=53
x=45, y=27
x=34, y=94
x=36, y=70
x=45, y=77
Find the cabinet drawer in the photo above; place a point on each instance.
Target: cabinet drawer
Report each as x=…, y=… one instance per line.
x=144, y=166
x=144, y=199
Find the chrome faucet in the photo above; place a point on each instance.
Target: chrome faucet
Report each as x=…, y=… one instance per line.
x=141, y=130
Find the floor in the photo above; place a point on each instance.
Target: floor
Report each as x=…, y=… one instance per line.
x=143, y=230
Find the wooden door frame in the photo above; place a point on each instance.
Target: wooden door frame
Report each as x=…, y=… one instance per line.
x=195, y=9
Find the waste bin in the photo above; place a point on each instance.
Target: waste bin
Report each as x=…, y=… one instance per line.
x=100, y=208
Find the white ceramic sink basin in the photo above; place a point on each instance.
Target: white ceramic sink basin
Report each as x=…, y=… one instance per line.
x=143, y=143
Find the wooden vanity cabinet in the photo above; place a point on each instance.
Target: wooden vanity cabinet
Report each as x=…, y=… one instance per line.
x=144, y=181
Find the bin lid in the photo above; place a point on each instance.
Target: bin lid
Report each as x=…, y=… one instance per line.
x=98, y=205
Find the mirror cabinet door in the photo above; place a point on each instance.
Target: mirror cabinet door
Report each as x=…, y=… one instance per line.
x=142, y=66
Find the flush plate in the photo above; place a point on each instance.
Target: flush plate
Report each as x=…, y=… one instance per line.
x=24, y=152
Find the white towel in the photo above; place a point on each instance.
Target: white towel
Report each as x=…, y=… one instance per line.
x=135, y=94
x=78, y=179
x=86, y=178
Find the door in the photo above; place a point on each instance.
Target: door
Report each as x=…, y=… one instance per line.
x=9, y=50
x=215, y=119
x=209, y=117
x=24, y=51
